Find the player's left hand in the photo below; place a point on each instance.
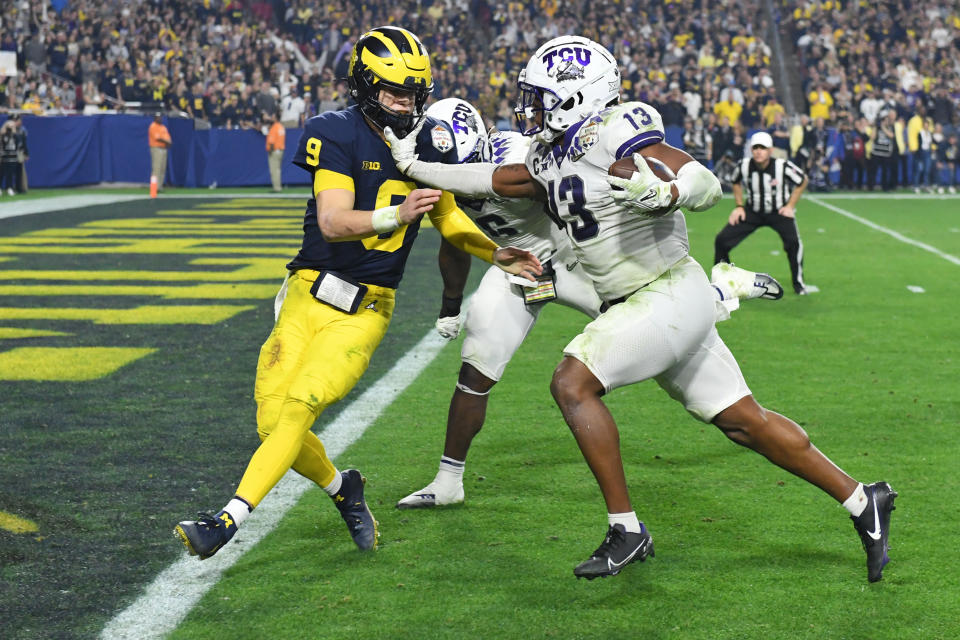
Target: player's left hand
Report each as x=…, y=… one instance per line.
x=643, y=193
x=787, y=211
x=449, y=327
x=403, y=150
x=519, y=262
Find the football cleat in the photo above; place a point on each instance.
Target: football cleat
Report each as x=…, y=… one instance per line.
x=800, y=290
x=432, y=495
x=204, y=536
x=619, y=548
x=746, y=284
x=873, y=525
x=355, y=512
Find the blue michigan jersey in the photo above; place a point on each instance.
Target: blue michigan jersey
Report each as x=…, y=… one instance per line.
x=341, y=151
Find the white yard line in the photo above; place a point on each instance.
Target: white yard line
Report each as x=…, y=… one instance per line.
x=171, y=596
x=882, y=229
x=10, y=209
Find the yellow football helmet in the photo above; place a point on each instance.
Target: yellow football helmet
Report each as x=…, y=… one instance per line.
x=394, y=58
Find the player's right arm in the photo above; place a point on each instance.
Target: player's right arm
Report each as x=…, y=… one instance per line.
x=325, y=150
x=471, y=180
x=339, y=221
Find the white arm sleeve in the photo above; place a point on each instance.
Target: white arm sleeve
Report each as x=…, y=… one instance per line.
x=474, y=180
x=699, y=189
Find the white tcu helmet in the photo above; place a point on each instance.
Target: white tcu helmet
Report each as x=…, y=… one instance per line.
x=469, y=133
x=567, y=79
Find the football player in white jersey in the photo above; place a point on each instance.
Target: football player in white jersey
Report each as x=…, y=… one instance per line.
x=633, y=244
x=503, y=310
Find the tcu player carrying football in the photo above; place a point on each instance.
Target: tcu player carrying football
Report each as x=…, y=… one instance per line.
x=633, y=245
x=504, y=308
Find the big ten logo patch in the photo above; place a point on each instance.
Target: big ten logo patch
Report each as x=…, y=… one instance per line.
x=370, y=165
x=580, y=55
x=463, y=120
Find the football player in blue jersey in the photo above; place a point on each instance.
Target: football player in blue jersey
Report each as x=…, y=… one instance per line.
x=339, y=296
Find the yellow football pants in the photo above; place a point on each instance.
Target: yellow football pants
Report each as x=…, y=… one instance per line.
x=312, y=358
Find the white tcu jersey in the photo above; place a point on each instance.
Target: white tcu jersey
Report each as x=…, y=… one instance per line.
x=620, y=251
x=517, y=222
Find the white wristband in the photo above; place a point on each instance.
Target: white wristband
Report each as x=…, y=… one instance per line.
x=386, y=219
x=698, y=188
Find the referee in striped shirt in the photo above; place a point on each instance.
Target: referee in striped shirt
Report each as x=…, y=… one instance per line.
x=766, y=191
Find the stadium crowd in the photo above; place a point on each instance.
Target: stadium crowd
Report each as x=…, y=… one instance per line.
x=233, y=63
x=886, y=76
x=228, y=63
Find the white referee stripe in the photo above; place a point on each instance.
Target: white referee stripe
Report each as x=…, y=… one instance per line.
x=890, y=232
x=166, y=602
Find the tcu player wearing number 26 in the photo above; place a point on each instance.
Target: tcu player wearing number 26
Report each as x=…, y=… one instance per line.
x=336, y=304
x=659, y=324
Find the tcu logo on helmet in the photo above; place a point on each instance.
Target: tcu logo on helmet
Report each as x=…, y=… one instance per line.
x=462, y=120
x=581, y=55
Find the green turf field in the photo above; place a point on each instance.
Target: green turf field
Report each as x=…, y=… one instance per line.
x=128, y=341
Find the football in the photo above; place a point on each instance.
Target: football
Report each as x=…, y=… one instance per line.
x=624, y=168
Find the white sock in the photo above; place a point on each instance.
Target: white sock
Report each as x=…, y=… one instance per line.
x=722, y=291
x=450, y=473
x=334, y=487
x=238, y=510
x=628, y=520
x=857, y=501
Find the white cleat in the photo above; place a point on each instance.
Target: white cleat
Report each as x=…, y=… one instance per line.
x=745, y=284
x=432, y=495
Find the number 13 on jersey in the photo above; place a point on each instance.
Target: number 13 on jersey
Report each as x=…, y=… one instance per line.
x=569, y=190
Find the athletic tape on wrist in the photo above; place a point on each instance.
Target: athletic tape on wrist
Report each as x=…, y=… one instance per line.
x=386, y=219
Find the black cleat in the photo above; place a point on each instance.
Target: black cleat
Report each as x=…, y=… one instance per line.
x=204, y=536
x=619, y=548
x=354, y=511
x=873, y=525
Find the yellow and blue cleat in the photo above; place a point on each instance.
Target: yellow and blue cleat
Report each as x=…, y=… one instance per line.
x=355, y=512
x=204, y=536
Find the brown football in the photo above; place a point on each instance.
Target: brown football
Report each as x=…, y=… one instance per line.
x=624, y=168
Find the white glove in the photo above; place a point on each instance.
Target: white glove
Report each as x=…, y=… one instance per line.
x=449, y=327
x=403, y=150
x=644, y=193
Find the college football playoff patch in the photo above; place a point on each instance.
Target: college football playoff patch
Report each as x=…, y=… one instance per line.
x=441, y=138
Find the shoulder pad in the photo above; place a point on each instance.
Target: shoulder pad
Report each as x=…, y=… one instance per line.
x=509, y=147
x=435, y=142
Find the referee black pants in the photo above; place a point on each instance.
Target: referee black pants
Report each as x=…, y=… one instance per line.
x=733, y=234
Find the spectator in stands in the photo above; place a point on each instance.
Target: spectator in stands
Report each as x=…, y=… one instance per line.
x=729, y=109
x=770, y=111
x=159, y=140
x=265, y=100
x=780, y=133
x=697, y=141
x=292, y=108
x=870, y=106
x=672, y=111
x=820, y=102
x=276, y=143
x=942, y=107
